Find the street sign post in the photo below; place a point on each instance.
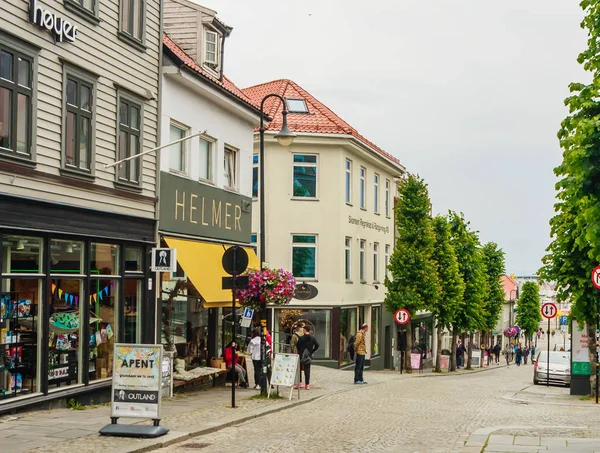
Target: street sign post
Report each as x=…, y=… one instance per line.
x=596, y=283
x=247, y=317
x=596, y=277
x=549, y=311
x=402, y=316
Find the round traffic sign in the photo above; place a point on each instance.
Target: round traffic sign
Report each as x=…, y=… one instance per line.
x=235, y=260
x=549, y=310
x=596, y=277
x=402, y=316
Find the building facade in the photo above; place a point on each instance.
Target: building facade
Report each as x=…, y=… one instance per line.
x=79, y=86
x=329, y=219
x=205, y=182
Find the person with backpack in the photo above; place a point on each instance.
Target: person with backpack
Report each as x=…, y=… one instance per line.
x=497, y=350
x=360, y=348
x=307, y=345
x=350, y=347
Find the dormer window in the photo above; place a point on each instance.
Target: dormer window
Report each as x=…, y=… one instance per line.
x=211, y=49
x=296, y=105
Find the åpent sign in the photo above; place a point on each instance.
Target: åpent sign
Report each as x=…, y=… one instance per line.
x=596, y=277
x=402, y=316
x=549, y=310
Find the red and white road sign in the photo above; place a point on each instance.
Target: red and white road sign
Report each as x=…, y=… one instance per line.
x=596, y=277
x=402, y=316
x=549, y=310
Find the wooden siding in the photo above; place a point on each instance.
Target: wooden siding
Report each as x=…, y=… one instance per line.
x=181, y=23
x=97, y=50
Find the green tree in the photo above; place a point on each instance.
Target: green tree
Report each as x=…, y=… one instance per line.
x=575, y=229
x=471, y=314
x=413, y=283
x=452, y=287
x=528, y=309
x=493, y=259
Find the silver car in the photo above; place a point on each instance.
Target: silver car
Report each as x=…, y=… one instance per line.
x=560, y=368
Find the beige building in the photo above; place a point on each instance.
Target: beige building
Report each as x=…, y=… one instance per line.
x=79, y=90
x=329, y=218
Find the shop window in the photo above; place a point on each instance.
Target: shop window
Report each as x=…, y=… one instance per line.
x=16, y=98
x=348, y=327
x=134, y=259
x=132, y=306
x=64, y=346
x=130, y=141
x=255, y=176
x=304, y=256
x=66, y=257
x=319, y=320
x=104, y=259
x=103, y=327
x=375, y=330
x=305, y=176
x=19, y=327
x=78, y=123
x=22, y=255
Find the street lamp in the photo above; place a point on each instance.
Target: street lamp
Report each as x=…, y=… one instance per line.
x=284, y=137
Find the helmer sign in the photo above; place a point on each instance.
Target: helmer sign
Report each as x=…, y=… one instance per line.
x=195, y=209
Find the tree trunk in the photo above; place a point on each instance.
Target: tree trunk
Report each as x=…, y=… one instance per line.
x=591, y=331
x=408, y=348
x=453, y=350
x=438, y=353
x=470, y=351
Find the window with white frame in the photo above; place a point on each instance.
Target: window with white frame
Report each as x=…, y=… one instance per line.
x=387, y=198
x=205, y=160
x=229, y=167
x=348, y=181
x=376, y=262
x=347, y=259
x=362, y=258
x=211, y=47
x=177, y=152
x=255, y=175
x=305, y=176
x=376, y=193
x=363, y=188
x=387, y=260
x=304, y=255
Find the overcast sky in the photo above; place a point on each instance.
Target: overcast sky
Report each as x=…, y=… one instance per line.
x=467, y=93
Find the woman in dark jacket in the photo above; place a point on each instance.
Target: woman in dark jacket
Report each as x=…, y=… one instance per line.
x=307, y=345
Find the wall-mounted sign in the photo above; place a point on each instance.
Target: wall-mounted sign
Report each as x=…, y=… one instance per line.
x=164, y=260
x=195, y=209
x=47, y=20
x=367, y=224
x=304, y=291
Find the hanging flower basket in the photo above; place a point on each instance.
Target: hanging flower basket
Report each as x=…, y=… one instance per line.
x=269, y=286
x=511, y=332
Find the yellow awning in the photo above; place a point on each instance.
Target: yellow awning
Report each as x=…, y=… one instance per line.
x=201, y=262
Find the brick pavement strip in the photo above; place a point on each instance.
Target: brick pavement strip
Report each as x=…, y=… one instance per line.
x=392, y=413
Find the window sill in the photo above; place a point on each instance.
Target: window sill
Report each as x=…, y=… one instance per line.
x=363, y=209
x=350, y=282
x=183, y=174
x=231, y=189
x=76, y=174
x=349, y=204
x=139, y=45
x=131, y=187
x=304, y=198
x=363, y=282
x=207, y=182
x=76, y=8
x=16, y=159
x=377, y=213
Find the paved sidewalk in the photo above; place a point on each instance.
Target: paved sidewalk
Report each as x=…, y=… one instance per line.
x=186, y=415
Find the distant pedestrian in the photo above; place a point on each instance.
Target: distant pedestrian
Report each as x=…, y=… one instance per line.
x=460, y=355
x=360, y=349
x=497, y=350
x=525, y=355
x=254, y=351
x=519, y=356
x=507, y=352
x=307, y=345
x=532, y=354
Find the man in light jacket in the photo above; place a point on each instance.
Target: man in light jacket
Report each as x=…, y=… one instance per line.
x=360, y=348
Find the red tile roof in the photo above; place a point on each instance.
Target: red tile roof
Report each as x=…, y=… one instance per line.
x=319, y=119
x=226, y=84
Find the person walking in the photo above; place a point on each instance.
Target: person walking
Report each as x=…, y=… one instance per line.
x=525, y=355
x=460, y=354
x=519, y=356
x=307, y=345
x=254, y=351
x=360, y=349
x=507, y=351
x=298, y=332
x=532, y=354
x=497, y=350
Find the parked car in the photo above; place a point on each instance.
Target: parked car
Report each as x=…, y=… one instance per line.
x=560, y=368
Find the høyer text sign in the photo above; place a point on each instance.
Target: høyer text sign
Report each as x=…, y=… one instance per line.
x=549, y=310
x=60, y=28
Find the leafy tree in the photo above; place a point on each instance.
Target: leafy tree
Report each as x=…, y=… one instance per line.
x=493, y=259
x=575, y=229
x=413, y=284
x=471, y=315
x=452, y=287
x=528, y=309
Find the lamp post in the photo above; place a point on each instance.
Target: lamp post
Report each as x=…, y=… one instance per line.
x=284, y=137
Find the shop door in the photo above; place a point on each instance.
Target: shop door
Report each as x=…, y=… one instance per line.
x=387, y=358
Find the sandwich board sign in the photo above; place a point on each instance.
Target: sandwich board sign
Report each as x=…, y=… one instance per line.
x=286, y=372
